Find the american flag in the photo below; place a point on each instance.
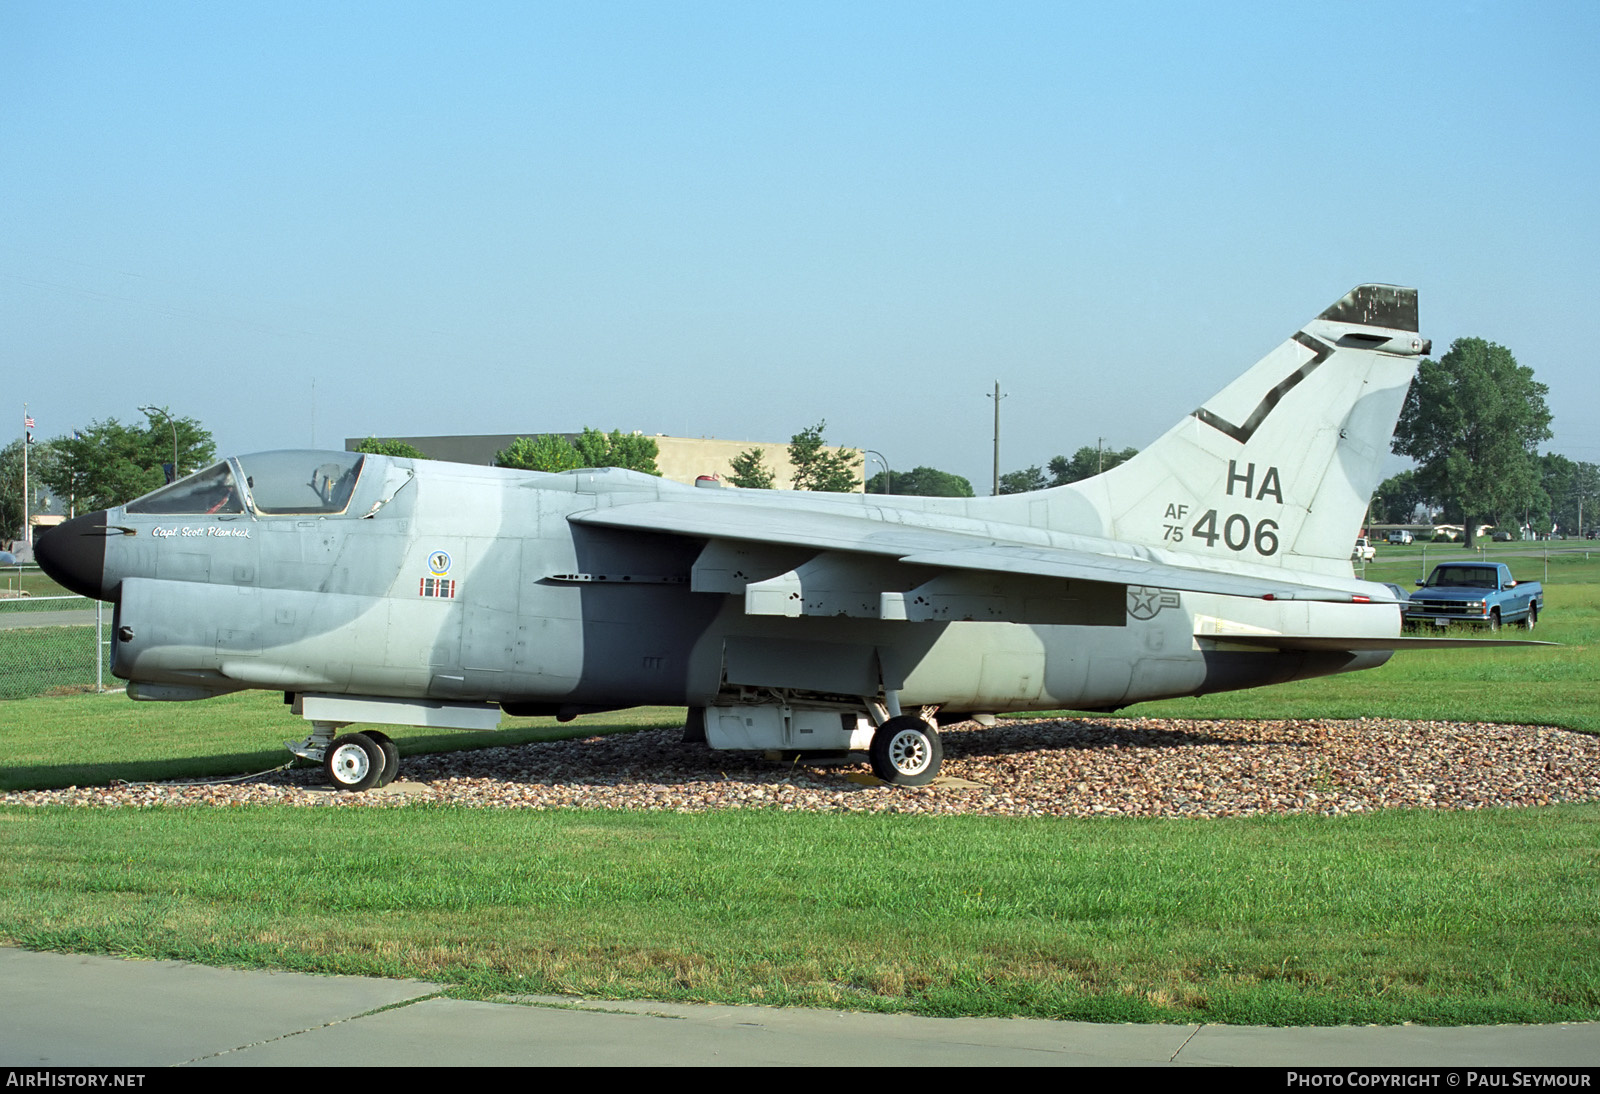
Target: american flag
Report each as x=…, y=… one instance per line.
x=27, y=421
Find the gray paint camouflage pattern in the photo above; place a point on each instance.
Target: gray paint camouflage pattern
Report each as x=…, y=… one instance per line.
x=1218, y=558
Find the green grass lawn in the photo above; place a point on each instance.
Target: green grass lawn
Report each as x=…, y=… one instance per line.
x=89, y=739
x=28, y=580
x=1390, y=917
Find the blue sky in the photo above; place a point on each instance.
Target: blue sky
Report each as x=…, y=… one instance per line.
x=303, y=222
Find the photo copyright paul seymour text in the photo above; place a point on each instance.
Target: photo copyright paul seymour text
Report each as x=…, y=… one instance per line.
x=1476, y=1080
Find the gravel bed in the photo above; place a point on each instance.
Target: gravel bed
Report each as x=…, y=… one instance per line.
x=1144, y=767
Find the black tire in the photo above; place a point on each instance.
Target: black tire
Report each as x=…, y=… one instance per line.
x=906, y=752
x=354, y=762
x=1533, y=617
x=1494, y=620
x=391, y=756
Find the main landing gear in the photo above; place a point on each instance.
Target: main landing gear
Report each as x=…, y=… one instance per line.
x=906, y=751
x=902, y=746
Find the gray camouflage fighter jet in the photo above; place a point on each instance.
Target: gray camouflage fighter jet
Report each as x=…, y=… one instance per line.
x=371, y=589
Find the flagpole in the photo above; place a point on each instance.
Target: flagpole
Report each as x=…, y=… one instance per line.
x=27, y=526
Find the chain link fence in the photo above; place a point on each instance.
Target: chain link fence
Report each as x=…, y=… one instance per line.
x=50, y=644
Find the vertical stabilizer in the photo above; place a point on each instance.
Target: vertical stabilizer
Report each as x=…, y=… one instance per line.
x=1281, y=463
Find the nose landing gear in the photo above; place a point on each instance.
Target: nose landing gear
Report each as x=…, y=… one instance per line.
x=355, y=761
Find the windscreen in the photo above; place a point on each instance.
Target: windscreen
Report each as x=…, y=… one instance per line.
x=210, y=491
x=301, y=481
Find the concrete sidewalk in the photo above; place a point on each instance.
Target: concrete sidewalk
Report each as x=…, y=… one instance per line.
x=68, y=1010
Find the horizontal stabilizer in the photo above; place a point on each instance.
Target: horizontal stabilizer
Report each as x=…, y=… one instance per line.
x=1332, y=643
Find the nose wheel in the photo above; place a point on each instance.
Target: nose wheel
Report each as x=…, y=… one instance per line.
x=391, y=756
x=360, y=761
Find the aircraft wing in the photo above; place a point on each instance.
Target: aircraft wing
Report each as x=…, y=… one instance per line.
x=1081, y=565
x=963, y=551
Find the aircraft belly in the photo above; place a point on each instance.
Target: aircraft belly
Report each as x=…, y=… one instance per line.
x=1231, y=667
x=835, y=667
x=1009, y=666
x=608, y=618
x=979, y=666
x=637, y=642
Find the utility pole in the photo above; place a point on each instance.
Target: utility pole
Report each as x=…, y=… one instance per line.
x=996, y=397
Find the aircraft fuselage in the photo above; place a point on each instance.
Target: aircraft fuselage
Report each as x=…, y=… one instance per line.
x=471, y=584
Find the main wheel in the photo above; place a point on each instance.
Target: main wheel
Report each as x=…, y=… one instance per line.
x=906, y=752
x=1533, y=618
x=1494, y=620
x=354, y=762
x=391, y=756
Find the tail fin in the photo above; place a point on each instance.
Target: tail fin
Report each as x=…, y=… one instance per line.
x=1279, y=466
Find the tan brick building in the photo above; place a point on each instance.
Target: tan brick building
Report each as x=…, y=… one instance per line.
x=682, y=459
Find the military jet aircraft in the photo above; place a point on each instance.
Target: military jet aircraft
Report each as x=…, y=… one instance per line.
x=378, y=590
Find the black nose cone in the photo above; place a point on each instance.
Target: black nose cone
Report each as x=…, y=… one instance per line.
x=74, y=554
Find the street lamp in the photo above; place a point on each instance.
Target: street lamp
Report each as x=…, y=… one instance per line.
x=888, y=476
x=161, y=410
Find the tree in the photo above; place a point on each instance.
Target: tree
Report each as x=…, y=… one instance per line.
x=1396, y=499
x=546, y=452
x=109, y=463
x=750, y=473
x=815, y=468
x=391, y=447
x=1023, y=482
x=591, y=448
x=1555, y=479
x=1472, y=421
x=927, y=482
x=634, y=451
x=1087, y=462
x=1574, y=490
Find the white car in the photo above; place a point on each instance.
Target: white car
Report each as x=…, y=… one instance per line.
x=1400, y=535
x=1364, y=551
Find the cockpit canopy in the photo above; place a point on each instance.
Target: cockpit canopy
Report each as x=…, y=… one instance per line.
x=297, y=482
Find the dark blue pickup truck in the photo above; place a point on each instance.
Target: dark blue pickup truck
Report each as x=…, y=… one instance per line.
x=1484, y=593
